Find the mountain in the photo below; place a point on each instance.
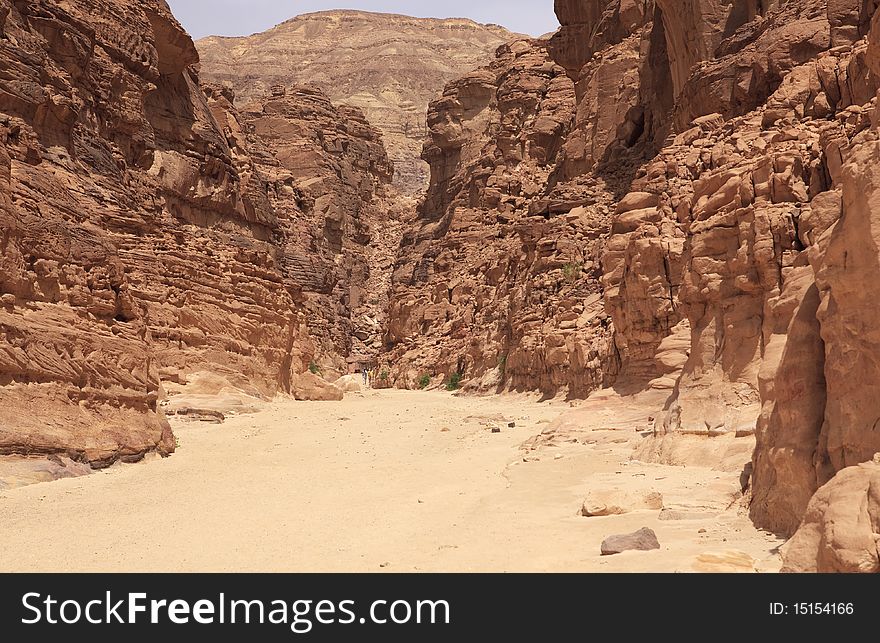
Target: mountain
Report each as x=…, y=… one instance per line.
x=390, y=66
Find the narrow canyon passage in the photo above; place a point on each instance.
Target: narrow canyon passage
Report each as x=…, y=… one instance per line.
x=675, y=200
x=387, y=481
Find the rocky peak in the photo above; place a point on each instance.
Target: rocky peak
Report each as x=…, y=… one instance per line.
x=391, y=67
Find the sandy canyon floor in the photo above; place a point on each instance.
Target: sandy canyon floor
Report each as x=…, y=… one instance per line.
x=385, y=481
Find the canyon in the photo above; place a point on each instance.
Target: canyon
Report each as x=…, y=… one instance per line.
x=664, y=215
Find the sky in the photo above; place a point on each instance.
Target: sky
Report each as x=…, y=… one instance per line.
x=244, y=17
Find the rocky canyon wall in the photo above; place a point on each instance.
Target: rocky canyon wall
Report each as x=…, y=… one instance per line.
x=329, y=183
x=141, y=238
x=673, y=197
x=497, y=279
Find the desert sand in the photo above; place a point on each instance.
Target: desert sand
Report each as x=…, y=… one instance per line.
x=384, y=481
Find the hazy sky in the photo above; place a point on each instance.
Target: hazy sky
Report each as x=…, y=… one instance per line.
x=244, y=17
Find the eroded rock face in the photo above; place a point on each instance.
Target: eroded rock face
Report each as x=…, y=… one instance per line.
x=820, y=412
x=841, y=526
x=329, y=185
x=716, y=175
x=83, y=124
x=713, y=269
x=497, y=279
x=675, y=199
x=664, y=259
x=140, y=238
x=390, y=67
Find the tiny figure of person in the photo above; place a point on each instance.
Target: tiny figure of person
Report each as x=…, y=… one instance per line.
x=366, y=377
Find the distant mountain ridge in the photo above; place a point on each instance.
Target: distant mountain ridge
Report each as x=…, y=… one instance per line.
x=389, y=65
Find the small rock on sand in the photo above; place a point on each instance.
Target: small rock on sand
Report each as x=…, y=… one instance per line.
x=724, y=562
x=642, y=540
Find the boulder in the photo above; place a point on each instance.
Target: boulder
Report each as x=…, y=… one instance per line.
x=308, y=387
x=350, y=383
x=642, y=540
x=840, y=532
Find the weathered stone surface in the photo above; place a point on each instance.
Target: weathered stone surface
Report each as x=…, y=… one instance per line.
x=313, y=388
x=642, y=540
x=611, y=502
x=350, y=383
x=84, y=118
x=19, y=471
x=727, y=562
x=497, y=278
x=390, y=67
x=841, y=528
x=328, y=175
x=820, y=410
x=141, y=241
x=717, y=174
x=743, y=70
x=676, y=200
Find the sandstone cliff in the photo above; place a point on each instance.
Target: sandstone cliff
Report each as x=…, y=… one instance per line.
x=665, y=197
x=329, y=176
x=389, y=66
x=495, y=282
x=142, y=241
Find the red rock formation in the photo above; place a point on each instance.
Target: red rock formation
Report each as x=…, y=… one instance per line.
x=810, y=433
x=678, y=198
x=390, y=66
x=631, y=63
x=329, y=178
x=492, y=281
x=141, y=241
x=731, y=143
x=84, y=117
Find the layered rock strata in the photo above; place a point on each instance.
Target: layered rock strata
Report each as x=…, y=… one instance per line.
x=498, y=280
x=141, y=240
x=389, y=66
x=329, y=176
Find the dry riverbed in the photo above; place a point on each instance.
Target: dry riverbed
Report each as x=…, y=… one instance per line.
x=384, y=481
